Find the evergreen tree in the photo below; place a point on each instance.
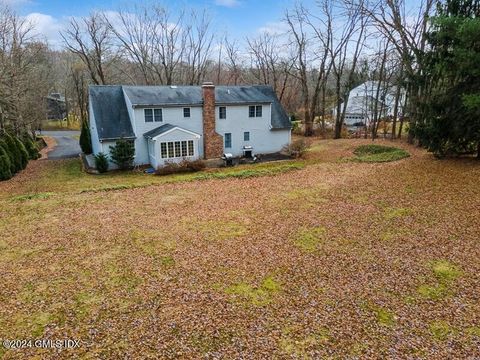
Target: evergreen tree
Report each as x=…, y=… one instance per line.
x=452, y=110
x=31, y=147
x=22, y=152
x=5, y=165
x=11, y=157
x=123, y=153
x=13, y=149
x=85, y=139
x=101, y=162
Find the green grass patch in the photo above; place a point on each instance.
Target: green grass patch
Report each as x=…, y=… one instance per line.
x=248, y=173
x=37, y=196
x=473, y=331
x=445, y=271
x=433, y=292
x=440, y=330
x=259, y=295
x=395, y=213
x=378, y=153
x=309, y=239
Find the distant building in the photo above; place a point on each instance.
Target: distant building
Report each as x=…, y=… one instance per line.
x=56, y=107
x=360, y=109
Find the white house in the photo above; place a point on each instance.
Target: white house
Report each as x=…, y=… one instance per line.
x=360, y=109
x=171, y=123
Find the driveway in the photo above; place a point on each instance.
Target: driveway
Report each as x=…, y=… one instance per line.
x=67, y=144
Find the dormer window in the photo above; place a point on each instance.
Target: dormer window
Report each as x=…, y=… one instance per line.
x=153, y=115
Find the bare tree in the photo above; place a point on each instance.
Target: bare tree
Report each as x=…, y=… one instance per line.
x=199, y=44
x=356, y=24
x=90, y=39
x=407, y=31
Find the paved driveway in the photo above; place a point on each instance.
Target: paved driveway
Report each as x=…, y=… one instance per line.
x=67, y=144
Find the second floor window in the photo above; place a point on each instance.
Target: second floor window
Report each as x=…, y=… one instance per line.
x=255, y=111
x=186, y=112
x=152, y=115
x=222, y=112
x=251, y=111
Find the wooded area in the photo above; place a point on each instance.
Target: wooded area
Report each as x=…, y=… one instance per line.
x=321, y=54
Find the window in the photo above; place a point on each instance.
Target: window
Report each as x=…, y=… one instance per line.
x=157, y=114
x=228, y=140
x=148, y=115
x=186, y=112
x=176, y=149
x=255, y=111
x=178, y=152
x=246, y=136
x=153, y=115
x=163, y=150
x=190, y=148
x=222, y=112
x=251, y=111
x=184, y=148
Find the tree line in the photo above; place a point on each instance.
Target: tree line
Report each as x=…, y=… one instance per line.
x=318, y=54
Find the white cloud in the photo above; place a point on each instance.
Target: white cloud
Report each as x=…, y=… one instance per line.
x=274, y=28
x=14, y=3
x=227, y=3
x=46, y=27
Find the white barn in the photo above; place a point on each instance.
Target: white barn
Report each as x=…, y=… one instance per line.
x=171, y=123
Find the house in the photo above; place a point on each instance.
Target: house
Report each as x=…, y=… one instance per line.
x=56, y=106
x=363, y=102
x=171, y=123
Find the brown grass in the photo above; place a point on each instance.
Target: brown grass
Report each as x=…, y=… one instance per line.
x=325, y=261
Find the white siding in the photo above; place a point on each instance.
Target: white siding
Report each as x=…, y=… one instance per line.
x=262, y=139
x=175, y=135
x=171, y=115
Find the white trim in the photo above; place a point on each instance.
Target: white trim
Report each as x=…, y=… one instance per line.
x=176, y=128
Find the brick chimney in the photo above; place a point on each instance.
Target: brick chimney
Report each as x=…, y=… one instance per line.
x=212, y=142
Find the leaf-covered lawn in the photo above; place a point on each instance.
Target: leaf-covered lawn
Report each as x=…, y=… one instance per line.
x=334, y=258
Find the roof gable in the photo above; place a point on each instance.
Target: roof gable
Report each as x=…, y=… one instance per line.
x=165, y=129
x=110, y=112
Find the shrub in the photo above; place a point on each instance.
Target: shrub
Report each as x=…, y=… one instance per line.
x=123, y=153
x=183, y=167
x=13, y=149
x=31, y=147
x=296, y=127
x=85, y=139
x=22, y=152
x=101, y=162
x=5, y=171
x=297, y=148
x=11, y=156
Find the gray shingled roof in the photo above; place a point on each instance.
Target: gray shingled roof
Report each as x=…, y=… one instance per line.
x=280, y=119
x=158, y=130
x=112, y=117
x=192, y=95
x=162, y=129
x=110, y=111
